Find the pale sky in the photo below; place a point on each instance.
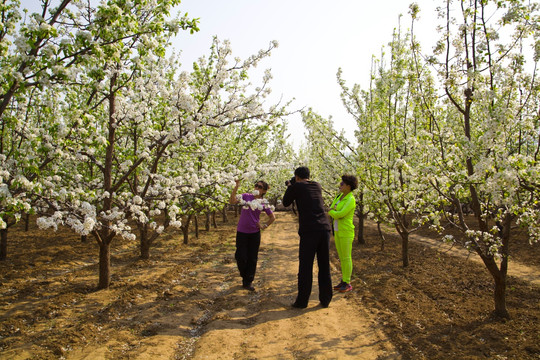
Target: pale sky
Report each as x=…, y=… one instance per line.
x=315, y=39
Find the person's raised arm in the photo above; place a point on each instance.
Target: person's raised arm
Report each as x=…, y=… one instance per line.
x=232, y=199
x=288, y=197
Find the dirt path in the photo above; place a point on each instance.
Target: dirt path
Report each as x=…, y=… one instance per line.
x=186, y=302
x=262, y=325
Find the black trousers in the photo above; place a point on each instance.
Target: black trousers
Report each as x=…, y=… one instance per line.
x=311, y=244
x=247, y=252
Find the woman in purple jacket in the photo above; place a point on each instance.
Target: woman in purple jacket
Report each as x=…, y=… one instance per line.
x=248, y=231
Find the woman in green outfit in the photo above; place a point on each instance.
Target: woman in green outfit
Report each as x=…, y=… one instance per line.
x=342, y=211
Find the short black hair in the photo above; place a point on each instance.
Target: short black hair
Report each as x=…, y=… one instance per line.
x=350, y=180
x=302, y=172
x=264, y=184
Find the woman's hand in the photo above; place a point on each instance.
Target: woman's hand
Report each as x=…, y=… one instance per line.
x=232, y=198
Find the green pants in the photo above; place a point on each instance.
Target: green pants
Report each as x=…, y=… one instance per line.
x=344, y=243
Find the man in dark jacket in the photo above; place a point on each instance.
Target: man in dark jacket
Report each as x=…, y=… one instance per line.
x=314, y=230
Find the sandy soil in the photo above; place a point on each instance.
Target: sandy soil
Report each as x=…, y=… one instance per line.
x=441, y=305
x=186, y=302
x=517, y=268
x=262, y=325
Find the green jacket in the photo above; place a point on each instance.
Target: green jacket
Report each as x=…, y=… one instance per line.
x=343, y=213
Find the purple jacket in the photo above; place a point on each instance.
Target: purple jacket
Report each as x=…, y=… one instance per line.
x=250, y=217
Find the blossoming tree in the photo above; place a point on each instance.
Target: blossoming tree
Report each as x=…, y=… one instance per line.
x=484, y=144
x=40, y=56
x=389, y=126
x=87, y=188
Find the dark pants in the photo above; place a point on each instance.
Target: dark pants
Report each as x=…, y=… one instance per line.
x=311, y=244
x=247, y=251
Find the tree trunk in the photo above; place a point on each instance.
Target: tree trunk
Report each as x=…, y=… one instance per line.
x=207, y=223
x=3, y=244
x=185, y=229
x=185, y=232
x=224, y=213
x=499, y=273
x=499, y=278
x=360, y=235
x=500, y=297
x=381, y=235
x=214, y=223
x=26, y=222
x=196, y=220
x=144, y=245
x=105, y=237
x=104, y=265
x=405, y=248
x=500, y=294
x=361, y=218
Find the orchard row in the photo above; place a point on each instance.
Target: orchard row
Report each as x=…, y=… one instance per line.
x=103, y=133
x=448, y=134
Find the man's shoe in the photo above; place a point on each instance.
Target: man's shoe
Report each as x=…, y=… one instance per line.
x=338, y=286
x=324, y=305
x=298, y=306
x=345, y=288
x=248, y=287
